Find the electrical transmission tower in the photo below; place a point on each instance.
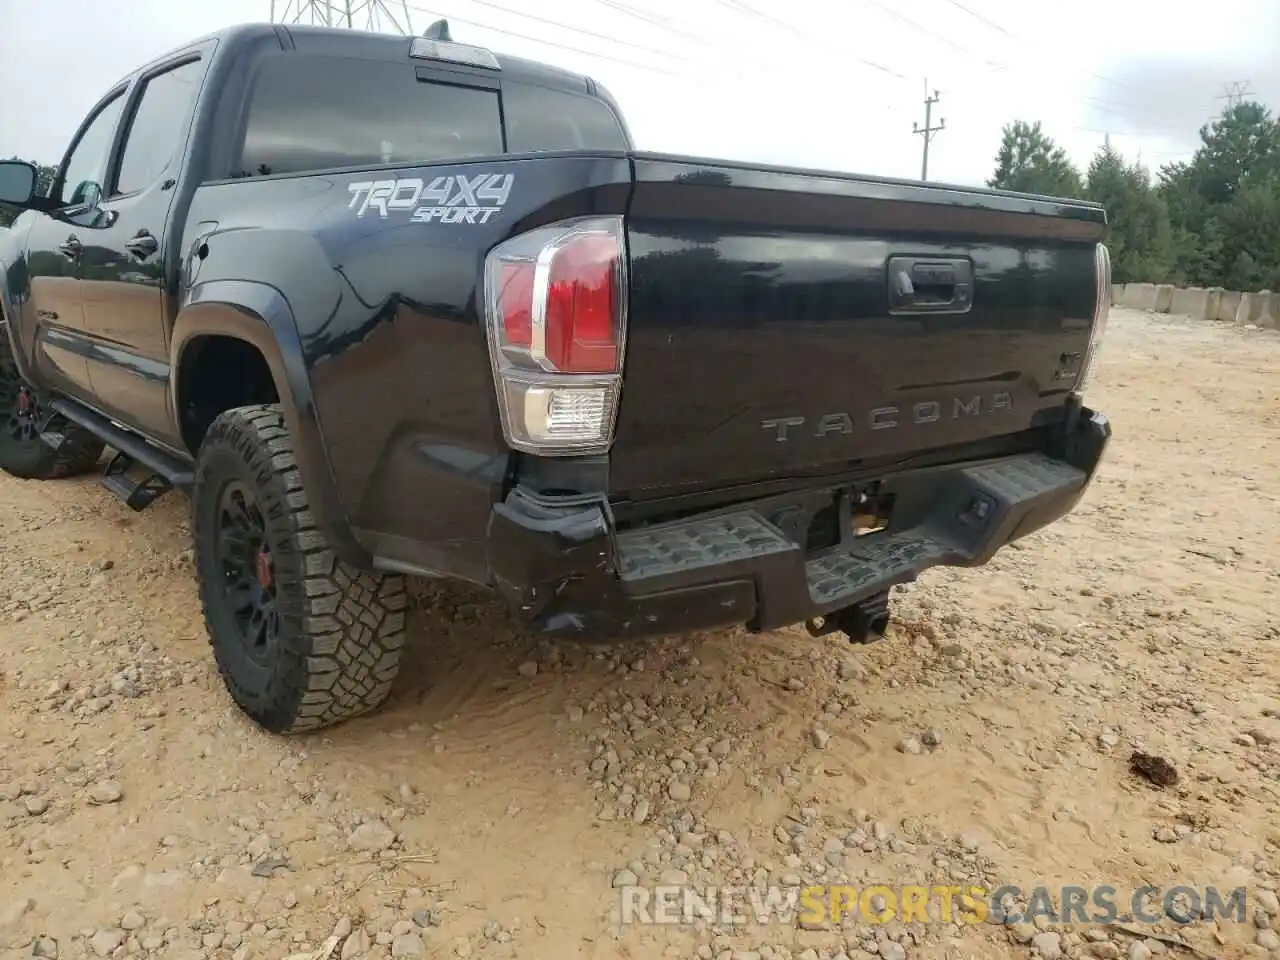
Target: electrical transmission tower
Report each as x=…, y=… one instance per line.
x=1234, y=93
x=927, y=131
x=379, y=16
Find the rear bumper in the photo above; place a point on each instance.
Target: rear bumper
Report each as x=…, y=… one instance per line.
x=565, y=570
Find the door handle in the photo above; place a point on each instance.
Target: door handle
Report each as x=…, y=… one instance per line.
x=143, y=245
x=72, y=248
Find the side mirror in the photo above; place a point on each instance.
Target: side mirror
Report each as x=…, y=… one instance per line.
x=17, y=182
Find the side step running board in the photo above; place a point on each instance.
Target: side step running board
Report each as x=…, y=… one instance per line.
x=165, y=471
x=137, y=494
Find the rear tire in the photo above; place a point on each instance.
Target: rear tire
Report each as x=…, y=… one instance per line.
x=301, y=639
x=22, y=453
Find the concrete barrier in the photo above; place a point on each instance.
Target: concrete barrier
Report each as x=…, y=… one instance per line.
x=1248, y=307
x=1228, y=306
x=1190, y=302
x=1211, y=307
x=1212, y=304
x=1242, y=310
x=1139, y=296
x=1268, y=310
x=1255, y=308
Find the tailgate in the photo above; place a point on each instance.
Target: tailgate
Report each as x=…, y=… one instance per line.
x=785, y=323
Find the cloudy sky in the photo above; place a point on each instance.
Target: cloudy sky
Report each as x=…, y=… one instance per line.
x=835, y=84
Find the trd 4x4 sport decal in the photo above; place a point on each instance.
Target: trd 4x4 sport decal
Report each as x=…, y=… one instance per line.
x=455, y=199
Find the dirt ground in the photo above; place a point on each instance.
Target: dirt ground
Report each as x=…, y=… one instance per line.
x=493, y=807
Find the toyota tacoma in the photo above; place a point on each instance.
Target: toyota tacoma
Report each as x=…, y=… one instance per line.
x=390, y=306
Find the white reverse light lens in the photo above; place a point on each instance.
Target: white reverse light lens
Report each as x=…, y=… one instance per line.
x=560, y=417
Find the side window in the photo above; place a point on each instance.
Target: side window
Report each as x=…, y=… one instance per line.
x=315, y=112
x=86, y=167
x=159, y=127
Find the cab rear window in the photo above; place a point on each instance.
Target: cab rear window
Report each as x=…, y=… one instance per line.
x=312, y=112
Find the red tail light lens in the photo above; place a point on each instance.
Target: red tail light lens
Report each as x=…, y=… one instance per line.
x=516, y=298
x=582, y=294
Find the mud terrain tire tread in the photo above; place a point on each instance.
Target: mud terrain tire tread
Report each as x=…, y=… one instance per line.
x=78, y=453
x=342, y=629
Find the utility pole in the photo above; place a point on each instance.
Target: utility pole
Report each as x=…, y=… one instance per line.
x=928, y=132
x=1234, y=93
x=378, y=16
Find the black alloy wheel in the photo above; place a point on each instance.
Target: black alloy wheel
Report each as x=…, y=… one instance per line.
x=23, y=411
x=248, y=571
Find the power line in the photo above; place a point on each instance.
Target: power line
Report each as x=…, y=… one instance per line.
x=347, y=12
x=928, y=132
x=742, y=6
x=1099, y=103
x=580, y=30
x=344, y=13
x=625, y=9
x=981, y=19
x=503, y=31
x=1013, y=36
x=997, y=65
x=654, y=20
x=942, y=38
x=1106, y=106
x=674, y=29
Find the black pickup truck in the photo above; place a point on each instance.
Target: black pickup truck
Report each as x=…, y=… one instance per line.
x=389, y=306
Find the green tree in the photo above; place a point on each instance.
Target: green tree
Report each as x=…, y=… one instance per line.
x=1211, y=221
x=1197, y=241
x=1030, y=162
x=1242, y=145
x=1223, y=204
x=1140, y=239
x=1250, y=229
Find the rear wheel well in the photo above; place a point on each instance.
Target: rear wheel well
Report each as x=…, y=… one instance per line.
x=218, y=373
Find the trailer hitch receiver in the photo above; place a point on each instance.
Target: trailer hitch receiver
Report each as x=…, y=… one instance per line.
x=864, y=622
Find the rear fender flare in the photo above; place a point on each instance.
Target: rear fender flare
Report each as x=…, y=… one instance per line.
x=258, y=314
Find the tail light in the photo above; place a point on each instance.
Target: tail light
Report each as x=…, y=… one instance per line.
x=1101, y=311
x=555, y=306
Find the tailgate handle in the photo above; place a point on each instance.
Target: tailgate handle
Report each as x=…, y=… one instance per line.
x=930, y=285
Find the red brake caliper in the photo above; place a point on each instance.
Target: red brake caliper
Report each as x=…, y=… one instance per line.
x=263, y=565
